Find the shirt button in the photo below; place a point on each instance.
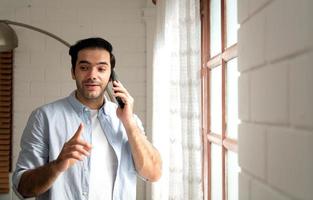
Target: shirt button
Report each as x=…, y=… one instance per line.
x=85, y=193
x=88, y=122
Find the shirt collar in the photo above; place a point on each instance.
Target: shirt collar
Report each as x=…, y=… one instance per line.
x=81, y=108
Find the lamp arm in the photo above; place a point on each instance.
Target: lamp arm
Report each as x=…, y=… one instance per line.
x=37, y=30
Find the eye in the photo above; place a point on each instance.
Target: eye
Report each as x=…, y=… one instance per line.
x=83, y=67
x=101, y=69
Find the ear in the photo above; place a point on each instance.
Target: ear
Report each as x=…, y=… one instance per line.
x=111, y=74
x=73, y=74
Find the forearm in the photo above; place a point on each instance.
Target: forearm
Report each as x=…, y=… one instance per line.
x=147, y=159
x=37, y=181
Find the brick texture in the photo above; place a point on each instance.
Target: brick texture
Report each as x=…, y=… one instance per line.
x=275, y=99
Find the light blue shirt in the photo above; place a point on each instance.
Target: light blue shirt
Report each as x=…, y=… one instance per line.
x=51, y=125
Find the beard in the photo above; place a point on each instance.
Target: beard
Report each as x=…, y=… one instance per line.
x=91, y=95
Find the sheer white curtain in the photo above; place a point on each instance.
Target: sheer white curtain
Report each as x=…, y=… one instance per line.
x=176, y=100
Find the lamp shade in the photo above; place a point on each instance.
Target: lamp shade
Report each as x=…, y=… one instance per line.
x=8, y=38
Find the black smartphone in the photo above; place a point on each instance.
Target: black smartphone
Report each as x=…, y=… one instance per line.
x=120, y=103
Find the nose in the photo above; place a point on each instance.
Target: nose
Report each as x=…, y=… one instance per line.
x=92, y=73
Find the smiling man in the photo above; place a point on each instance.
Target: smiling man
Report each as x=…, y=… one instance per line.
x=84, y=146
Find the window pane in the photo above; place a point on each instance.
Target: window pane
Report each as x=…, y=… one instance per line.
x=215, y=29
x=232, y=25
x=216, y=100
x=232, y=98
x=216, y=172
x=233, y=171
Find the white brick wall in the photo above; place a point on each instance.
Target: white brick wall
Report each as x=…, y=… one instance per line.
x=275, y=99
x=244, y=97
x=269, y=94
x=251, y=38
x=290, y=161
x=42, y=64
x=244, y=186
x=301, y=96
x=260, y=191
x=288, y=28
x=252, y=137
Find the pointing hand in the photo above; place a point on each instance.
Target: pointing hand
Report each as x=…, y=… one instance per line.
x=73, y=150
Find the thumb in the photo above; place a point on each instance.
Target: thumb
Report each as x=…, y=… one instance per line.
x=79, y=131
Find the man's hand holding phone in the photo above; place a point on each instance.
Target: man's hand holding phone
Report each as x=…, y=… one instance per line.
x=121, y=104
x=124, y=112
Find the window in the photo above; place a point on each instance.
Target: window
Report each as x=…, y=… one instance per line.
x=6, y=71
x=219, y=82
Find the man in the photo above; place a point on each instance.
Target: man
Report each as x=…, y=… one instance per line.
x=84, y=146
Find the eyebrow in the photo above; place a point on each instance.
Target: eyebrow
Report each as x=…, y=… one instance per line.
x=86, y=62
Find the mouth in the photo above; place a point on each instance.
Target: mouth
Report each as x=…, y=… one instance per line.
x=91, y=86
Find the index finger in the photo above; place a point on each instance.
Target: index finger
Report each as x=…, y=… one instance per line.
x=78, y=132
x=117, y=83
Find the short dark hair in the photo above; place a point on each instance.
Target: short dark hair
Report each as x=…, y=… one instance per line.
x=95, y=42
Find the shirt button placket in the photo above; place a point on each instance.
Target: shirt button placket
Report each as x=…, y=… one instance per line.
x=85, y=165
x=85, y=195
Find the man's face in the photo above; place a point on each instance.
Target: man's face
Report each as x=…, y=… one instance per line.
x=92, y=74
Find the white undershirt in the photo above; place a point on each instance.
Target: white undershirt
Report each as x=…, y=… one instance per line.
x=103, y=163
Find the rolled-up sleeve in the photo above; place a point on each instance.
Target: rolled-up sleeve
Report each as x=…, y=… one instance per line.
x=34, y=147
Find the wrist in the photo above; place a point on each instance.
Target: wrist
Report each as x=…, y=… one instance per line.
x=55, y=167
x=130, y=124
